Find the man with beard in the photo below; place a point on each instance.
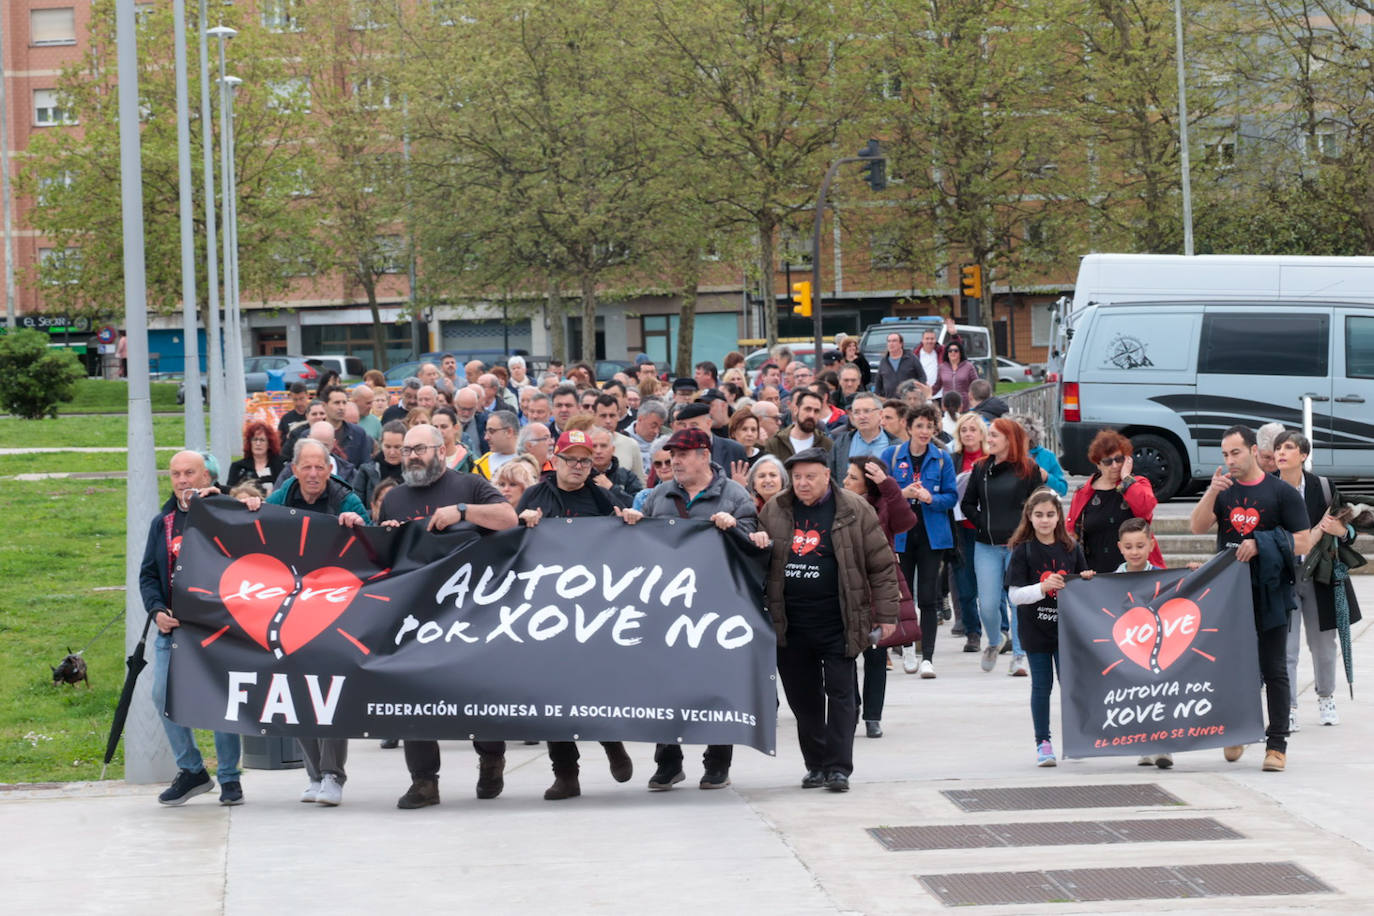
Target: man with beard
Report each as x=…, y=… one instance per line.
x=569, y=493
x=350, y=438
x=386, y=466
x=804, y=433
x=445, y=498
x=699, y=489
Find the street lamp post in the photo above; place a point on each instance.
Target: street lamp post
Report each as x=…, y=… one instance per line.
x=220, y=442
x=233, y=342
x=1183, y=132
x=194, y=407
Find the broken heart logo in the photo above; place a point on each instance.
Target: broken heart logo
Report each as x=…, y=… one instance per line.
x=805, y=541
x=1154, y=640
x=1245, y=519
x=279, y=609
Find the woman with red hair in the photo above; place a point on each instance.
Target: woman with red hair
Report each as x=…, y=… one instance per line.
x=1110, y=497
x=262, y=461
x=998, y=487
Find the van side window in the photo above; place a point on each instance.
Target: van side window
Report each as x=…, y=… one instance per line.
x=1359, y=347
x=1250, y=344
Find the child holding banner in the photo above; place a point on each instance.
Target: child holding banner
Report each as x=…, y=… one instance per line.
x=1043, y=554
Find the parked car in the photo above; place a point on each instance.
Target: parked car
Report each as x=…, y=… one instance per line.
x=1009, y=370
x=292, y=368
x=350, y=368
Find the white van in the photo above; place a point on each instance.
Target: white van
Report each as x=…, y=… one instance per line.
x=1172, y=350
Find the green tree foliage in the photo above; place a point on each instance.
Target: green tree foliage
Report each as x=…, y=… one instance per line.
x=74, y=175
x=34, y=378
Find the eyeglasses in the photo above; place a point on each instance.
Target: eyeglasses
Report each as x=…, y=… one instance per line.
x=259, y=439
x=862, y=411
x=575, y=462
x=664, y=464
x=1115, y=459
x=418, y=450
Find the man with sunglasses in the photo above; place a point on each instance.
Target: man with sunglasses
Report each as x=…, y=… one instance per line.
x=442, y=498
x=569, y=493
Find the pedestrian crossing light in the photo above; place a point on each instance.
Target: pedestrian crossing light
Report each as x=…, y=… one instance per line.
x=801, y=296
x=972, y=281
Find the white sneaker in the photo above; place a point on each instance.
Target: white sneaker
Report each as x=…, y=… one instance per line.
x=331, y=793
x=909, y=659
x=1293, y=726
x=1326, y=708
x=311, y=793
x=989, y=660
x=1019, y=667
x=927, y=669
x=1147, y=761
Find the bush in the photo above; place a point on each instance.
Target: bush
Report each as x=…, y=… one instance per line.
x=33, y=378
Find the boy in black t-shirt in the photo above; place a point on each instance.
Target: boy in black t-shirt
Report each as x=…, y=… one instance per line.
x=1242, y=500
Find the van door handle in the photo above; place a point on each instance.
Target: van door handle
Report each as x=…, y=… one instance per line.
x=1350, y=399
x=1314, y=396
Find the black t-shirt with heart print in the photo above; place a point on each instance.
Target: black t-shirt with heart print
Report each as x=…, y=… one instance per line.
x=1030, y=563
x=811, y=580
x=1269, y=503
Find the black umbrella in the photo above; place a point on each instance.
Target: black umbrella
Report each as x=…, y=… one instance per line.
x=136, y=663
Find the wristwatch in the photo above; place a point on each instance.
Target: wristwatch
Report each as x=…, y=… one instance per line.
x=462, y=512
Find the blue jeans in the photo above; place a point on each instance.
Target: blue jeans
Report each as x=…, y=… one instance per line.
x=966, y=583
x=990, y=566
x=1043, y=669
x=183, y=742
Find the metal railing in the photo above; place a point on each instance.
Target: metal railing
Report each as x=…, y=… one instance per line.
x=1041, y=401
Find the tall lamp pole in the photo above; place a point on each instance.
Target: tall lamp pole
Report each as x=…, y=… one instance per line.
x=233, y=338
x=1183, y=132
x=193, y=406
x=10, y=306
x=220, y=440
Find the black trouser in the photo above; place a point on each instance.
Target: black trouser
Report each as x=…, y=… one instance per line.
x=1273, y=662
x=715, y=757
x=422, y=757
x=820, y=685
x=564, y=755
x=875, y=683
x=921, y=562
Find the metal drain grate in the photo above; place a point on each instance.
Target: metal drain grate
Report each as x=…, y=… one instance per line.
x=1081, y=885
x=1052, y=833
x=1025, y=798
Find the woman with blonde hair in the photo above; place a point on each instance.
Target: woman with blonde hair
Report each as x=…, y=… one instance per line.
x=967, y=448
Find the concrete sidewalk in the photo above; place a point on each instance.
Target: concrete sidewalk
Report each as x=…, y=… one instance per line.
x=763, y=845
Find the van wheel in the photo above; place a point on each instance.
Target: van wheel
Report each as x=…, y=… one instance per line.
x=1157, y=460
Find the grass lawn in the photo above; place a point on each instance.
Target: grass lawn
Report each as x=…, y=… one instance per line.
x=89, y=432
x=95, y=395
x=63, y=539
x=70, y=462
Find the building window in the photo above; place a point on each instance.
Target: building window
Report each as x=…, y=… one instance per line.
x=52, y=186
x=57, y=266
x=366, y=14
x=52, y=26
x=389, y=254
x=1323, y=144
x=1222, y=153
x=373, y=93
x=280, y=16
x=47, y=111
x=794, y=247
x=289, y=95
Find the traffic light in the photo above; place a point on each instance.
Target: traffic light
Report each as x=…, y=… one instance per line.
x=875, y=168
x=972, y=281
x=801, y=295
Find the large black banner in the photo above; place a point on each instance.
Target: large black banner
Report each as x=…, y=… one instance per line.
x=1159, y=661
x=576, y=629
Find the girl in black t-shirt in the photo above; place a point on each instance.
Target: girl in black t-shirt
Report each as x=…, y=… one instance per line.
x=1043, y=554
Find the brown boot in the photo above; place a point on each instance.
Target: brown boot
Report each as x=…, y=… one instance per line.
x=1232, y=752
x=491, y=776
x=1274, y=761
x=565, y=785
x=421, y=794
x=622, y=767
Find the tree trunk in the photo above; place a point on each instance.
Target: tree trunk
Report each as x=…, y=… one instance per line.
x=588, y=355
x=379, y=360
x=687, y=317
x=553, y=313
x=770, y=301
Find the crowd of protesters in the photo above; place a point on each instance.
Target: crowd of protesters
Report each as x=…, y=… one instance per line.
x=883, y=499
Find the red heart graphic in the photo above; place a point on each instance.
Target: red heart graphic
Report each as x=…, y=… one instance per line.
x=1180, y=619
x=1244, y=519
x=1051, y=592
x=324, y=595
x=1135, y=633
x=252, y=589
x=803, y=542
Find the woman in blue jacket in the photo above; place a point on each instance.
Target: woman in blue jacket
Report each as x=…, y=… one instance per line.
x=925, y=472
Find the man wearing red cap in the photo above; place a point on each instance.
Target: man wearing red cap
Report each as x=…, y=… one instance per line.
x=701, y=489
x=569, y=493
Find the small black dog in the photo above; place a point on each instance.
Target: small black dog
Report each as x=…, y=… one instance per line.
x=71, y=671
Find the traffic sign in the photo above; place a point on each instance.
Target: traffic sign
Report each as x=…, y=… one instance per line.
x=107, y=334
